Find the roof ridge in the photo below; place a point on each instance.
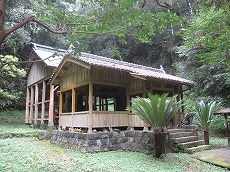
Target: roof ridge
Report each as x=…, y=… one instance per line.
x=35, y=45
x=129, y=64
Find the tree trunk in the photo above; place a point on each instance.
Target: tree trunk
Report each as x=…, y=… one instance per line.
x=2, y=18
x=206, y=137
x=2, y=14
x=160, y=143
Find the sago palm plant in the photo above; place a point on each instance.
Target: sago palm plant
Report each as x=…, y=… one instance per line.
x=156, y=110
x=204, y=114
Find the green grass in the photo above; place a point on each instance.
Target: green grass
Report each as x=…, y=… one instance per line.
x=16, y=129
x=31, y=154
x=24, y=154
x=218, y=142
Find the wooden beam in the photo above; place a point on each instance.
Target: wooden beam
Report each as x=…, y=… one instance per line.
x=43, y=101
x=31, y=104
x=60, y=107
x=27, y=105
x=51, y=106
x=78, y=62
x=36, y=104
x=128, y=105
x=144, y=96
x=90, y=118
x=73, y=103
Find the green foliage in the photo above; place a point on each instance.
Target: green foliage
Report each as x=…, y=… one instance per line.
x=12, y=117
x=212, y=81
x=156, y=110
x=208, y=34
x=10, y=78
x=118, y=18
x=217, y=125
x=204, y=113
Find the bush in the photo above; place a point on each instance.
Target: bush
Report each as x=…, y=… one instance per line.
x=12, y=117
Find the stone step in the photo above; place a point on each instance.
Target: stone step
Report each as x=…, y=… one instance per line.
x=184, y=139
x=197, y=149
x=181, y=134
x=182, y=146
x=181, y=130
x=188, y=127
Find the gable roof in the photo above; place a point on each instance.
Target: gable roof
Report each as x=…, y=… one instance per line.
x=135, y=70
x=50, y=56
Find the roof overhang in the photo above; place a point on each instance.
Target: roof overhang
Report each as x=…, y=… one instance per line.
x=56, y=77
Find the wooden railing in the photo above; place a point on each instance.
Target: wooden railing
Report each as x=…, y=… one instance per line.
x=110, y=118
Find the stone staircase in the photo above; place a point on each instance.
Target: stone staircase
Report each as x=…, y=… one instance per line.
x=186, y=140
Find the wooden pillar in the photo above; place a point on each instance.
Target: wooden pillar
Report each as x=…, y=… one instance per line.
x=227, y=129
x=27, y=105
x=182, y=97
x=31, y=104
x=43, y=101
x=144, y=96
x=60, y=107
x=90, y=118
x=51, y=106
x=73, y=103
x=36, y=105
x=128, y=107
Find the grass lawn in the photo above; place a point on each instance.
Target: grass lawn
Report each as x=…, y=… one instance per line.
x=28, y=154
x=31, y=154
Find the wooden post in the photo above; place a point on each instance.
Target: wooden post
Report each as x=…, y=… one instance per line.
x=31, y=104
x=43, y=101
x=60, y=107
x=27, y=105
x=90, y=118
x=128, y=106
x=36, y=105
x=51, y=107
x=73, y=103
x=144, y=96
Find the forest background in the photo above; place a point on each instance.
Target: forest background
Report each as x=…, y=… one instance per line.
x=189, y=38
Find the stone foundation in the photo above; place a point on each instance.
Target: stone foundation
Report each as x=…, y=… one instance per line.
x=143, y=141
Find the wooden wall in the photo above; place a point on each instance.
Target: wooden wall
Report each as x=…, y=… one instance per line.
x=38, y=72
x=74, y=75
x=136, y=86
x=110, y=77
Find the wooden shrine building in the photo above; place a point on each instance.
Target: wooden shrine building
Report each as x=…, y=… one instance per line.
x=40, y=97
x=94, y=91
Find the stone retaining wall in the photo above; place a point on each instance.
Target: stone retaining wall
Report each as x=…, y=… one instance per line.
x=107, y=141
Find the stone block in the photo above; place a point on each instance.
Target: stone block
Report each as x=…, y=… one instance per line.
x=116, y=147
x=113, y=141
x=104, y=141
x=131, y=133
x=123, y=139
x=145, y=134
x=92, y=142
x=71, y=141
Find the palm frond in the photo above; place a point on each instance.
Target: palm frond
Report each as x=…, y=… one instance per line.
x=156, y=110
x=205, y=111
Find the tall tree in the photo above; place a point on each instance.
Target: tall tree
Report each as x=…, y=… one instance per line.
x=208, y=33
x=120, y=18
